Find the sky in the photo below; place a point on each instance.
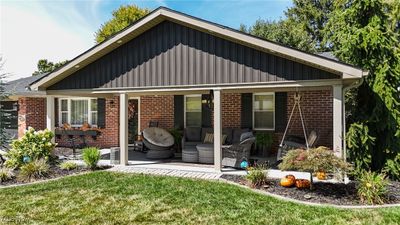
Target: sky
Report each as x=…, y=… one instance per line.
x=60, y=30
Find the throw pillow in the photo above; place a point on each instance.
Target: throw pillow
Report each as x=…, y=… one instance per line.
x=209, y=138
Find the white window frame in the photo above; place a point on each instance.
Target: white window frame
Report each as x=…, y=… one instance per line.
x=69, y=111
x=184, y=106
x=273, y=110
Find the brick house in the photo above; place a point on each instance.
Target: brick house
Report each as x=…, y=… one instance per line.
x=167, y=66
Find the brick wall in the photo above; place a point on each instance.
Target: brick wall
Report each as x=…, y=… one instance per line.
x=158, y=108
x=231, y=107
x=317, y=108
x=109, y=136
x=31, y=113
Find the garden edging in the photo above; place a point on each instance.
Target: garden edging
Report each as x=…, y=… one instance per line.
x=43, y=181
x=312, y=203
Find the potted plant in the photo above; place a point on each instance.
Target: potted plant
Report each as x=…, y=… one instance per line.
x=314, y=160
x=177, y=134
x=263, y=142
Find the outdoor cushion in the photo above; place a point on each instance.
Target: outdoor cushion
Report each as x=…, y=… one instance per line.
x=158, y=136
x=193, y=134
x=192, y=143
x=246, y=135
x=237, y=133
x=209, y=138
x=228, y=133
x=206, y=130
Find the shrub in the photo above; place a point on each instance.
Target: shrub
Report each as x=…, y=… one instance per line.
x=392, y=168
x=68, y=165
x=91, y=157
x=319, y=159
x=6, y=174
x=371, y=188
x=257, y=175
x=313, y=160
x=33, y=170
x=34, y=145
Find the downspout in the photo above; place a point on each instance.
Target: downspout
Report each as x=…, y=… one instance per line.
x=345, y=89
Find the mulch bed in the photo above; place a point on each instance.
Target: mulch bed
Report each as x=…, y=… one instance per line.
x=54, y=172
x=328, y=193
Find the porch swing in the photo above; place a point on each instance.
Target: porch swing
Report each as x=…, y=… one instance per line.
x=290, y=142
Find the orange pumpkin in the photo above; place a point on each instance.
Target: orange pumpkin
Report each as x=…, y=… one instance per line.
x=321, y=175
x=288, y=181
x=302, y=183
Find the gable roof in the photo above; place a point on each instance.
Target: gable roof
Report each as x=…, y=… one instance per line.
x=20, y=87
x=161, y=14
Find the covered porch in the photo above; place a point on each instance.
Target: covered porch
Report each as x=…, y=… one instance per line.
x=229, y=110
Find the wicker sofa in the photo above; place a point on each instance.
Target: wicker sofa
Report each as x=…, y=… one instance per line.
x=193, y=136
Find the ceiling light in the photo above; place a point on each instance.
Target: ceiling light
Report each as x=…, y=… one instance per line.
x=119, y=41
x=77, y=66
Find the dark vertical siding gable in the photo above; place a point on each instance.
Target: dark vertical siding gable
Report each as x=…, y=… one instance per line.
x=170, y=54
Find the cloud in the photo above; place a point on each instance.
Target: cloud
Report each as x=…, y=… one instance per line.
x=29, y=32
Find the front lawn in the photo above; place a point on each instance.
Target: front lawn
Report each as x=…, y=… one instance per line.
x=115, y=198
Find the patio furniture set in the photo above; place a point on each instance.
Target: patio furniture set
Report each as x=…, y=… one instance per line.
x=197, y=145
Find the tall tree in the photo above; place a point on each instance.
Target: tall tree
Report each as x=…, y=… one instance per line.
x=121, y=18
x=302, y=28
x=4, y=137
x=366, y=33
x=311, y=16
x=45, y=66
x=284, y=32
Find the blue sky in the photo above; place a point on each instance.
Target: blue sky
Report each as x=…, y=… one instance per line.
x=59, y=30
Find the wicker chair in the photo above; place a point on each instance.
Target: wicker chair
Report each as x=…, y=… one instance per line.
x=233, y=155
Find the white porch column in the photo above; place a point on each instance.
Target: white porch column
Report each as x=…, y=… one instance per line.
x=217, y=130
x=123, y=128
x=50, y=115
x=338, y=120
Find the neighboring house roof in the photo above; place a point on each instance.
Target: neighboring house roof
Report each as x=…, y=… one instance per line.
x=328, y=55
x=161, y=14
x=20, y=87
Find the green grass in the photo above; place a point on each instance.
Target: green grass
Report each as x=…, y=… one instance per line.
x=114, y=198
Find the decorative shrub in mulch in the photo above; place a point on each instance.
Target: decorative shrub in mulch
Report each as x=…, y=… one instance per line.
x=54, y=172
x=328, y=193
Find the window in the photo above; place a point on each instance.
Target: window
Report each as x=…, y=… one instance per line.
x=193, y=111
x=76, y=111
x=264, y=111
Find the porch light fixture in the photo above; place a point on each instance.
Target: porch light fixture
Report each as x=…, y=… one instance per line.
x=119, y=41
x=210, y=100
x=77, y=66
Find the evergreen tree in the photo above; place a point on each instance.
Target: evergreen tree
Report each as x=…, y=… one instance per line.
x=4, y=137
x=366, y=33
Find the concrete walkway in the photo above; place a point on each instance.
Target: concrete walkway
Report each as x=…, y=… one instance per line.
x=168, y=172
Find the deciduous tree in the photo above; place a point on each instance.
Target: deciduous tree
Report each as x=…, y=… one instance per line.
x=121, y=18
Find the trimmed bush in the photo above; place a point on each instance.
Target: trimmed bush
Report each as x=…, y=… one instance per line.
x=34, y=170
x=371, y=187
x=68, y=165
x=256, y=176
x=6, y=174
x=34, y=145
x=91, y=157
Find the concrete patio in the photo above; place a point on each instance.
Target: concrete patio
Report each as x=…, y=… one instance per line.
x=138, y=163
